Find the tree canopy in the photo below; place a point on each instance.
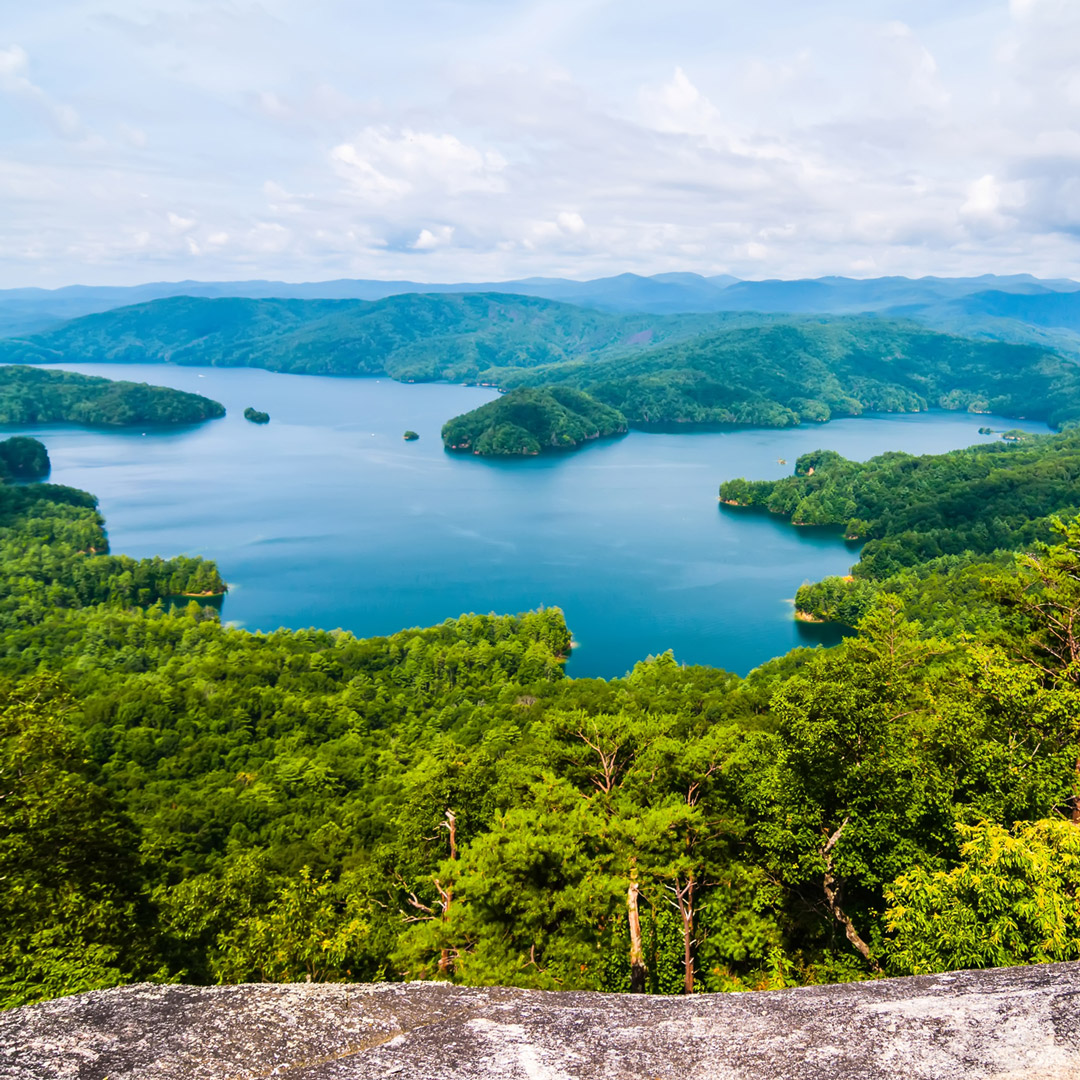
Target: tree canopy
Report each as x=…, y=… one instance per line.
x=44, y=396
x=186, y=800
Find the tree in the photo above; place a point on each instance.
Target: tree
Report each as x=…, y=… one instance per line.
x=306, y=933
x=1011, y=900
x=73, y=906
x=844, y=798
x=1047, y=595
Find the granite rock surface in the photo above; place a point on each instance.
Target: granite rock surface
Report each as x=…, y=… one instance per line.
x=1012, y=1023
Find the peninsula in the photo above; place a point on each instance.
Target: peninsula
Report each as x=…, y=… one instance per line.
x=31, y=395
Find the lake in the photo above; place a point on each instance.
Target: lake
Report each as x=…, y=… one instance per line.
x=326, y=517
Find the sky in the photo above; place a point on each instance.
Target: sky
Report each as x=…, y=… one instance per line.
x=479, y=140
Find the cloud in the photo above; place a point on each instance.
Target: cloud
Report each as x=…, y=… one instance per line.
x=983, y=198
x=179, y=223
x=428, y=239
x=381, y=164
x=15, y=81
x=678, y=106
x=266, y=138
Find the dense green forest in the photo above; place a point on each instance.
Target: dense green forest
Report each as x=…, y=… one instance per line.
x=412, y=337
x=767, y=370
x=934, y=526
x=787, y=373
x=23, y=458
x=184, y=800
x=38, y=396
x=527, y=421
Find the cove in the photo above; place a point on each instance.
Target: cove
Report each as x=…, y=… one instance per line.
x=327, y=517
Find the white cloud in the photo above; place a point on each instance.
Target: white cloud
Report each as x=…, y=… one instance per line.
x=566, y=230
x=570, y=222
x=15, y=80
x=383, y=165
x=678, y=106
x=430, y=239
x=983, y=198
x=914, y=66
x=538, y=137
x=1021, y=9
x=180, y=223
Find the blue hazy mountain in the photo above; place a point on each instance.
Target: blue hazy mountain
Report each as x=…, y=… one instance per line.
x=938, y=301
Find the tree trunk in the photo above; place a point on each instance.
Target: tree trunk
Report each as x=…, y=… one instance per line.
x=684, y=901
x=446, y=965
x=832, y=895
x=638, y=971
x=688, y=959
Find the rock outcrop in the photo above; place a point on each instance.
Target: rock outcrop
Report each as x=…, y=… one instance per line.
x=1012, y=1023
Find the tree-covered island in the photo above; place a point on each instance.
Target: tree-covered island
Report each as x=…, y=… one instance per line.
x=528, y=421
x=23, y=458
x=410, y=436
x=45, y=396
x=255, y=416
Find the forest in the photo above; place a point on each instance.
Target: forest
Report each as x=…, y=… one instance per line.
x=40, y=396
x=527, y=421
x=726, y=367
x=183, y=800
x=931, y=527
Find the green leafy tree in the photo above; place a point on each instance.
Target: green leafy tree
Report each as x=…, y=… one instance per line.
x=72, y=907
x=307, y=932
x=1013, y=899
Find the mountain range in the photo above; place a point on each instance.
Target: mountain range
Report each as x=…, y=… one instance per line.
x=1003, y=307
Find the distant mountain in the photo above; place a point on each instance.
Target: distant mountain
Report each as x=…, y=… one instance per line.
x=27, y=311
x=1051, y=309
x=413, y=336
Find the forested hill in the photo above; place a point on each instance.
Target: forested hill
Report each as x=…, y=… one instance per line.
x=416, y=337
x=788, y=373
x=785, y=373
x=528, y=421
x=39, y=396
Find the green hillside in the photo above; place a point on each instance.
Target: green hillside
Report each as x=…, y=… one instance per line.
x=417, y=337
x=38, y=396
x=527, y=421
x=790, y=372
x=935, y=527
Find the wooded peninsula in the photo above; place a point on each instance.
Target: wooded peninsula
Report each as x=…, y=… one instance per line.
x=42, y=396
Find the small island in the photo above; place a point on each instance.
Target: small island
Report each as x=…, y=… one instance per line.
x=23, y=458
x=529, y=420
x=1012, y=435
x=410, y=436
x=255, y=416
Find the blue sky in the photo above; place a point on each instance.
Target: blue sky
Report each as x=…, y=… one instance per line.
x=451, y=140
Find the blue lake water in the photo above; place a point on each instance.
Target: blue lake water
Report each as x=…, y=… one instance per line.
x=326, y=517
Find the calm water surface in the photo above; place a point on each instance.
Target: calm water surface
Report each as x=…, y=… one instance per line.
x=326, y=517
